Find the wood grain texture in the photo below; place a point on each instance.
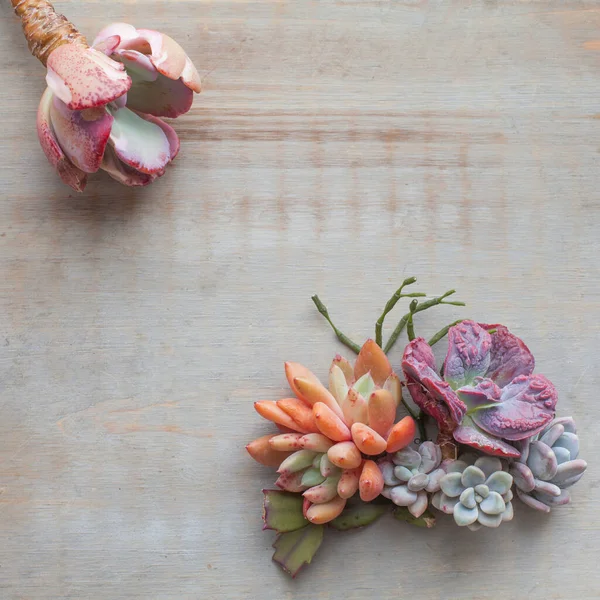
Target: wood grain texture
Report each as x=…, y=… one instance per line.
x=337, y=148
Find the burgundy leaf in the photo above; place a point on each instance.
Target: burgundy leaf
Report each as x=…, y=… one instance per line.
x=428, y=390
x=468, y=354
x=527, y=404
x=469, y=434
x=509, y=356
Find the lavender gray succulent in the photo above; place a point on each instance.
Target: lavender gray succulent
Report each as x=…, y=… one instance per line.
x=410, y=474
x=476, y=491
x=548, y=466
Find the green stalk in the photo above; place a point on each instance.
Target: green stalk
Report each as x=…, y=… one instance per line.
x=410, y=328
x=390, y=305
x=341, y=336
x=421, y=307
x=442, y=333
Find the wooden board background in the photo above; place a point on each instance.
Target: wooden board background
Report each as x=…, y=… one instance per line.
x=338, y=147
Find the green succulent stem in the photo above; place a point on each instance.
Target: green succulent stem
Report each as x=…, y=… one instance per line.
x=421, y=307
x=442, y=333
x=390, y=305
x=341, y=336
x=410, y=328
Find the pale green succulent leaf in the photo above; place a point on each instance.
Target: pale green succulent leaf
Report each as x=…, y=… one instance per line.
x=297, y=548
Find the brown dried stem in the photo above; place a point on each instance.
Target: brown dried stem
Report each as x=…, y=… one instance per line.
x=44, y=29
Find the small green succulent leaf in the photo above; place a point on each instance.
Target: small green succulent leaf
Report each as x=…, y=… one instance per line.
x=425, y=520
x=358, y=515
x=295, y=549
x=282, y=511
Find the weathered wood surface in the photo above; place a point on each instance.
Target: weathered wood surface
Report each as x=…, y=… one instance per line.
x=337, y=148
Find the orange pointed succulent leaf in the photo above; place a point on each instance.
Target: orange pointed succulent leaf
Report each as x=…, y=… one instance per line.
x=372, y=359
x=261, y=451
x=294, y=370
x=345, y=455
x=300, y=412
x=314, y=391
x=330, y=424
x=345, y=366
x=355, y=408
x=402, y=434
x=367, y=440
x=316, y=442
x=318, y=514
x=371, y=481
x=286, y=442
x=348, y=483
x=269, y=410
x=381, y=411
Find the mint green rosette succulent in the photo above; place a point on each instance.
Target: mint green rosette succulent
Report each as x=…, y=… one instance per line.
x=548, y=466
x=476, y=492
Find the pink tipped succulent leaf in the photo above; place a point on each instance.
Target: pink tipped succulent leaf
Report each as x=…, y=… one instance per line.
x=164, y=77
x=85, y=78
x=417, y=364
x=69, y=173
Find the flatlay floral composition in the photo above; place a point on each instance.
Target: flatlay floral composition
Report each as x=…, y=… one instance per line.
x=104, y=104
x=465, y=440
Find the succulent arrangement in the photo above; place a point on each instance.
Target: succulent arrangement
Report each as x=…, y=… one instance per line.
x=348, y=451
x=103, y=105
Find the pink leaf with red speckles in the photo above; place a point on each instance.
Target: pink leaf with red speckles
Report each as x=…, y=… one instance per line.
x=68, y=172
x=418, y=365
x=468, y=354
x=509, y=356
x=526, y=405
x=85, y=78
x=469, y=434
x=82, y=135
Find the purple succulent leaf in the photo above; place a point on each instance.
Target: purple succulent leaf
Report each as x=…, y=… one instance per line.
x=509, y=356
x=428, y=390
x=522, y=476
x=485, y=391
x=532, y=502
x=468, y=356
x=564, y=498
x=526, y=407
x=295, y=549
x=469, y=434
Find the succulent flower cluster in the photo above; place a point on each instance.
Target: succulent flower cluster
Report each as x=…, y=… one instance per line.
x=344, y=451
x=335, y=433
x=103, y=105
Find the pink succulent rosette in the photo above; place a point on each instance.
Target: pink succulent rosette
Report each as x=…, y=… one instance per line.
x=103, y=105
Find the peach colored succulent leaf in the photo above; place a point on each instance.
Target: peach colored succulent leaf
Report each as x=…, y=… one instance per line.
x=468, y=356
x=295, y=549
x=282, y=511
